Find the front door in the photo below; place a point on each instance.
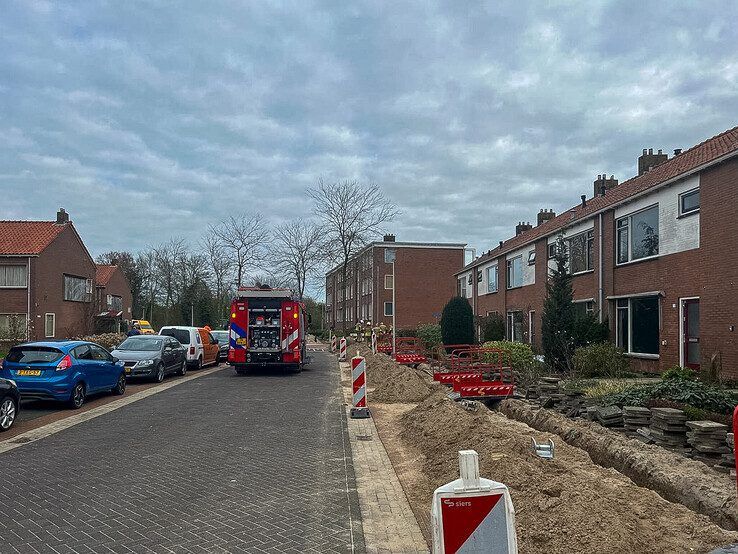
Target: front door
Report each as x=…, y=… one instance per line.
x=691, y=332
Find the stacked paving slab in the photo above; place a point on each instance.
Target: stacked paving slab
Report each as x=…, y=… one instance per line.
x=708, y=439
x=727, y=460
x=636, y=417
x=609, y=416
x=668, y=428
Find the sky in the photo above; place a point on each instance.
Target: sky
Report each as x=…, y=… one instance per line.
x=151, y=120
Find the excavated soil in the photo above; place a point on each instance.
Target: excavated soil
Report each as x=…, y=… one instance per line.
x=389, y=382
x=566, y=505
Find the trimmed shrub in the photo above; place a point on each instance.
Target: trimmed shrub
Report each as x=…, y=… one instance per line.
x=521, y=354
x=457, y=322
x=407, y=332
x=601, y=359
x=693, y=393
x=106, y=340
x=430, y=334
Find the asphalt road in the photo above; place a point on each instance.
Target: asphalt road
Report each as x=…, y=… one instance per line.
x=224, y=463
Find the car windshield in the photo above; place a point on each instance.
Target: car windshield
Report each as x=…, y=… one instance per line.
x=220, y=335
x=182, y=335
x=141, y=344
x=33, y=354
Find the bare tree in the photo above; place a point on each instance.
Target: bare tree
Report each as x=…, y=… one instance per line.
x=168, y=258
x=352, y=214
x=245, y=239
x=220, y=267
x=299, y=251
x=145, y=263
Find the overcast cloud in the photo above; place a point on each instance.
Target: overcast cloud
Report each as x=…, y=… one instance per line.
x=147, y=120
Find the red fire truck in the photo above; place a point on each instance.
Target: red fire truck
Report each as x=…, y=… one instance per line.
x=267, y=328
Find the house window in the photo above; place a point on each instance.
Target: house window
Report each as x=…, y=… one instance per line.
x=552, y=251
x=13, y=276
x=492, y=279
x=580, y=249
x=637, y=324
x=389, y=282
x=638, y=235
x=584, y=308
x=388, y=308
x=77, y=289
x=515, y=272
x=13, y=326
x=389, y=255
x=49, y=325
x=515, y=326
x=532, y=257
x=461, y=287
x=115, y=303
x=479, y=275
x=689, y=202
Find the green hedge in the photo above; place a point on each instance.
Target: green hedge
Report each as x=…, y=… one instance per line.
x=430, y=334
x=521, y=354
x=602, y=359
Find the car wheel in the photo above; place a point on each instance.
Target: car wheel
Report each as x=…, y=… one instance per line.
x=183, y=368
x=199, y=364
x=8, y=411
x=120, y=386
x=78, y=395
x=159, y=377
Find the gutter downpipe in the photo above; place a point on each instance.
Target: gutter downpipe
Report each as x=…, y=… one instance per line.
x=28, y=299
x=600, y=291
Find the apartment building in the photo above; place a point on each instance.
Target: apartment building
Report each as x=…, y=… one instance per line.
x=656, y=255
x=422, y=284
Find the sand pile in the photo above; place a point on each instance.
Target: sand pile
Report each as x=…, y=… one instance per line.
x=565, y=505
x=389, y=382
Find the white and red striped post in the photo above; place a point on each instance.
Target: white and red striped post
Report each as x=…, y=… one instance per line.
x=358, y=380
x=342, y=352
x=333, y=343
x=374, y=342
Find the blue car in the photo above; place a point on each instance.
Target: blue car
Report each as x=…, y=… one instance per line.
x=66, y=371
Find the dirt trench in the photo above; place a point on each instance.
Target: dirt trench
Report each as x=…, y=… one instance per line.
x=566, y=505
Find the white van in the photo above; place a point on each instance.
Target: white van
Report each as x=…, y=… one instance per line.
x=201, y=347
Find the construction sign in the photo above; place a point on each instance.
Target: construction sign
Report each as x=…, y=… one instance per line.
x=473, y=515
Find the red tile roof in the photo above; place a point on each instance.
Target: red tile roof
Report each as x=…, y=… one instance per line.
x=103, y=273
x=708, y=151
x=27, y=237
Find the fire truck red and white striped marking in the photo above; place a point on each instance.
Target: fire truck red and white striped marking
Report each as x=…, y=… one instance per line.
x=292, y=342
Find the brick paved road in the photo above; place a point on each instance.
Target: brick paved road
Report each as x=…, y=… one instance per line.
x=219, y=464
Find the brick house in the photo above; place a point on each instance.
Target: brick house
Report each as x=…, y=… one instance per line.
x=113, y=298
x=421, y=280
x=655, y=255
x=46, y=280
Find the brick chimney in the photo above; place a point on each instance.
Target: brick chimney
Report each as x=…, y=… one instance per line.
x=389, y=238
x=649, y=160
x=545, y=215
x=522, y=227
x=603, y=183
x=62, y=217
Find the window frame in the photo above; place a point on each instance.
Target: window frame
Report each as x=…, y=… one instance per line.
x=392, y=311
x=510, y=324
x=86, y=290
x=532, y=257
x=626, y=304
x=588, y=250
x=53, y=325
x=510, y=267
x=25, y=321
x=496, y=281
x=628, y=228
x=461, y=287
x=551, y=250
x=682, y=196
x=390, y=277
x=25, y=273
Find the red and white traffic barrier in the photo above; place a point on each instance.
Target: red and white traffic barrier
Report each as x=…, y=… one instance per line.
x=374, y=342
x=358, y=380
x=342, y=351
x=473, y=514
x=333, y=343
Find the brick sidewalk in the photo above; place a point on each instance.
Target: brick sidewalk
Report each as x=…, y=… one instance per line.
x=389, y=524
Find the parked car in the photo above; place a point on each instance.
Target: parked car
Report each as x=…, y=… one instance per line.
x=144, y=326
x=9, y=403
x=152, y=356
x=223, y=345
x=67, y=371
x=201, y=347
